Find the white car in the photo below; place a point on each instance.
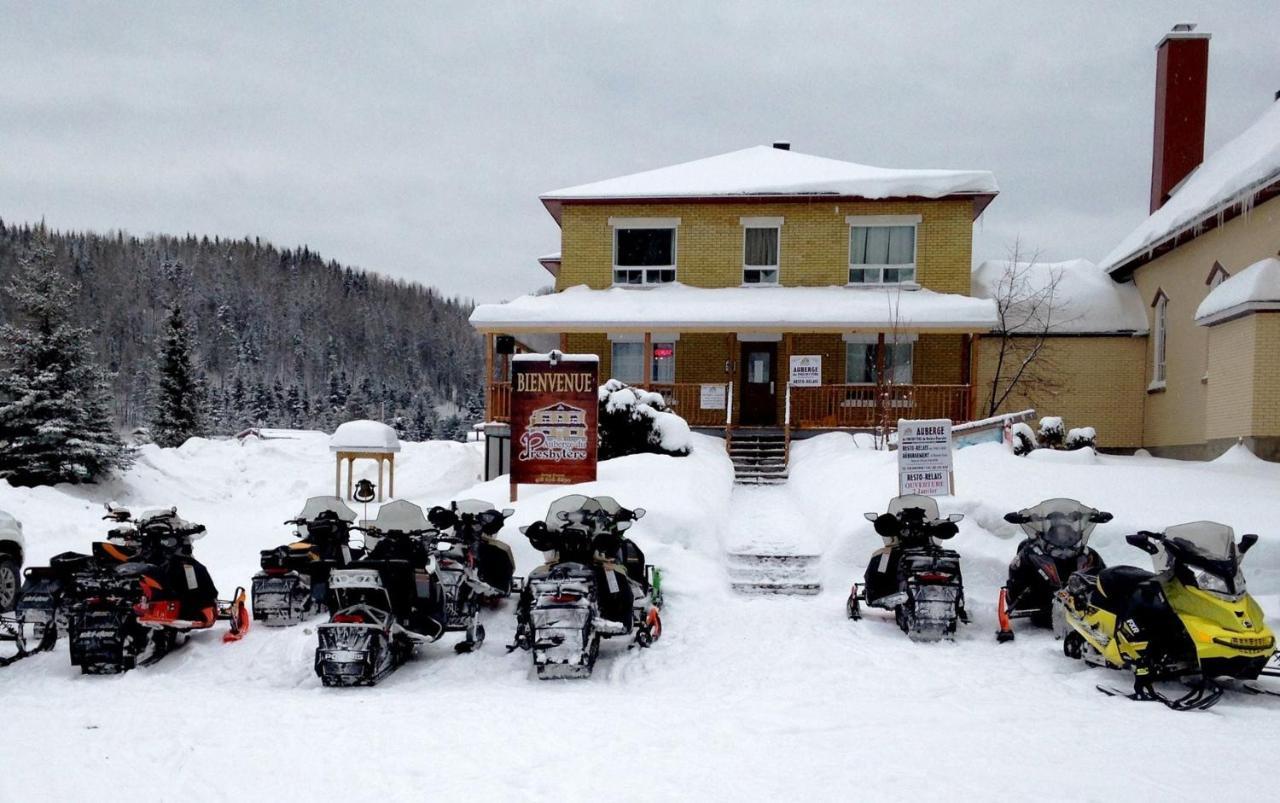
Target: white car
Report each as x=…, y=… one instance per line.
x=11, y=548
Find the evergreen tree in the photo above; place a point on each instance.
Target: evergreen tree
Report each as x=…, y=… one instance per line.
x=295, y=407
x=260, y=408
x=55, y=406
x=424, y=422
x=177, y=412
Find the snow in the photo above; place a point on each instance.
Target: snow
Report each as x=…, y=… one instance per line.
x=673, y=431
x=364, y=436
x=678, y=306
x=559, y=356
x=1258, y=283
x=764, y=170
x=1228, y=177
x=1086, y=300
x=749, y=698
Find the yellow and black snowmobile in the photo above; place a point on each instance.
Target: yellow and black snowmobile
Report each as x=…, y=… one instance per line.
x=1191, y=620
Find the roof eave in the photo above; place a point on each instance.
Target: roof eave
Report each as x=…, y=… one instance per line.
x=555, y=205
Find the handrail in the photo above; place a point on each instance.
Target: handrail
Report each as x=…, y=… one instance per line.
x=786, y=426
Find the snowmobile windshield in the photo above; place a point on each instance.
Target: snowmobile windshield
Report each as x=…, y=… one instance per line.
x=927, y=504
x=1209, y=550
x=325, y=504
x=401, y=516
x=1061, y=523
x=568, y=504
x=474, y=506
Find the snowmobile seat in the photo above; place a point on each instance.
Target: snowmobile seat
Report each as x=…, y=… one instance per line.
x=495, y=564
x=1117, y=584
x=631, y=557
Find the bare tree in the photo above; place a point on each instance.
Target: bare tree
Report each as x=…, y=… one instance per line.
x=1029, y=308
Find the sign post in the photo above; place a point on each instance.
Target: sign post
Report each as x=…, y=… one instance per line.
x=554, y=419
x=924, y=457
x=806, y=370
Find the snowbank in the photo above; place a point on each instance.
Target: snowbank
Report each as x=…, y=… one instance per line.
x=1086, y=300
x=763, y=170
x=680, y=307
x=1245, y=164
x=1257, y=284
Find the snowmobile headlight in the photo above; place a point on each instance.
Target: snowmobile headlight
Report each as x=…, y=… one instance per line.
x=1208, y=581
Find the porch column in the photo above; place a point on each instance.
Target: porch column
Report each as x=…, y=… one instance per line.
x=880, y=360
x=488, y=376
x=647, y=352
x=974, y=354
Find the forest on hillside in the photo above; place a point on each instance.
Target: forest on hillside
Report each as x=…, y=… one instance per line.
x=281, y=337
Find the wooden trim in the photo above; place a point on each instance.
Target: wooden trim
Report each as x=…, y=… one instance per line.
x=488, y=376
x=646, y=371
x=1214, y=271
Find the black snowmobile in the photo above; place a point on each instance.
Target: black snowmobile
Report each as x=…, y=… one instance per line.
x=40, y=613
x=471, y=526
x=414, y=586
x=1057, y=546
x=294, y=577
x=594, y=585
x=913, y=576
x=135, y=612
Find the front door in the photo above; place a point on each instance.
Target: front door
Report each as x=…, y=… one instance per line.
x=759, y=385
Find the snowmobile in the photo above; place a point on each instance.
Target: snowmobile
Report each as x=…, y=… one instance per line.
x=411, y=589
x=135, y=612
x=294, y=577
x=40, y=612
x=1056, y=546
x=913, y=576
x=594, y=585
x=472, y=525
x=1191, y=620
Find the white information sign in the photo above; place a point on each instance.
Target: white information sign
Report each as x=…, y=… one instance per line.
x=806, y=370
x=712, y=397
x=924, y=457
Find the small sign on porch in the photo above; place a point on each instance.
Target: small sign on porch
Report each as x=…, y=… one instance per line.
x=806, y=370
x=924, y=457
x=554, y=417
x=712, y=397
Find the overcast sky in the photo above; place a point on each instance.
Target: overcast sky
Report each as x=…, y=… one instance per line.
x=414, y=140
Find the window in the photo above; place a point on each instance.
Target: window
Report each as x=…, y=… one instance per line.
x=1160, y=339
x=882, y=254
x=644, y=254
x=628, y=362
x=860, y=362
x=760, y=250
x=664, y=363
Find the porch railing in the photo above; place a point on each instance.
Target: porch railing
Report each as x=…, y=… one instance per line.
x=500, y=401
x=856, y=406
x=684, y=399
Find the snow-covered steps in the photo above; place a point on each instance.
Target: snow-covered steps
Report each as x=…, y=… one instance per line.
x=759, y=458
x=774, y=574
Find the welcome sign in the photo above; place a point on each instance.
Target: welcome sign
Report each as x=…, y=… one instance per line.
x=924, y=457
x=554, y=418
x=806, y=370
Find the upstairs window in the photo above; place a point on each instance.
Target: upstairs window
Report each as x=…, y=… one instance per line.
x=644, y=251
x=760, y=242
x=882, y=254
x=1160, y=339
x=861, y=359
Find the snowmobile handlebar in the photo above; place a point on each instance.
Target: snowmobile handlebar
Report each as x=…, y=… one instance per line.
x=1022, y=517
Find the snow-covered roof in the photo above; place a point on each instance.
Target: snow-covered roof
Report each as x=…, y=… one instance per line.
x=1254, y=288
x=1085, y=300
x=764, y=170
x=364, y=436
x=737, y=309
x=1227, y=179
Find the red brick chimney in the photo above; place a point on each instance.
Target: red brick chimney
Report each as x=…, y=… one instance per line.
x=1182, y=79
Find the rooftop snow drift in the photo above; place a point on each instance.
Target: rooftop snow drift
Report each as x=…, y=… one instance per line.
x=680, y=307
x=364, y=436
x=1086, y=300
x=1245, y=165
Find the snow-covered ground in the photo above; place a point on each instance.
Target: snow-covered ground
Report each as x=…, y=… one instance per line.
x=744, y=698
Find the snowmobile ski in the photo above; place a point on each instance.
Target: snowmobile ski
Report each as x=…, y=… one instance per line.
x=1201, y=697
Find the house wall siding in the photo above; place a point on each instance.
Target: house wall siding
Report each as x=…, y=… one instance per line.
x=1099, y=383
x=813, y=250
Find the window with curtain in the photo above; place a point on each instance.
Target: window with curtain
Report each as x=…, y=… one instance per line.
x=644, y=256
x=760, y=255
x=664, y=363
x=882, y=254
x=1161, y=340
x=860, y=363
x=628, y=362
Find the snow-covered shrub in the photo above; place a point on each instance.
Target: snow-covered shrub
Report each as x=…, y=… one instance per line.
x=634, y=421
x=1024, y=439
x=1052, y=432
x=1081, y=437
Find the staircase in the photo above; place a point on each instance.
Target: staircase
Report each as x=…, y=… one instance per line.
x=774, y=574
x=759, y=458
